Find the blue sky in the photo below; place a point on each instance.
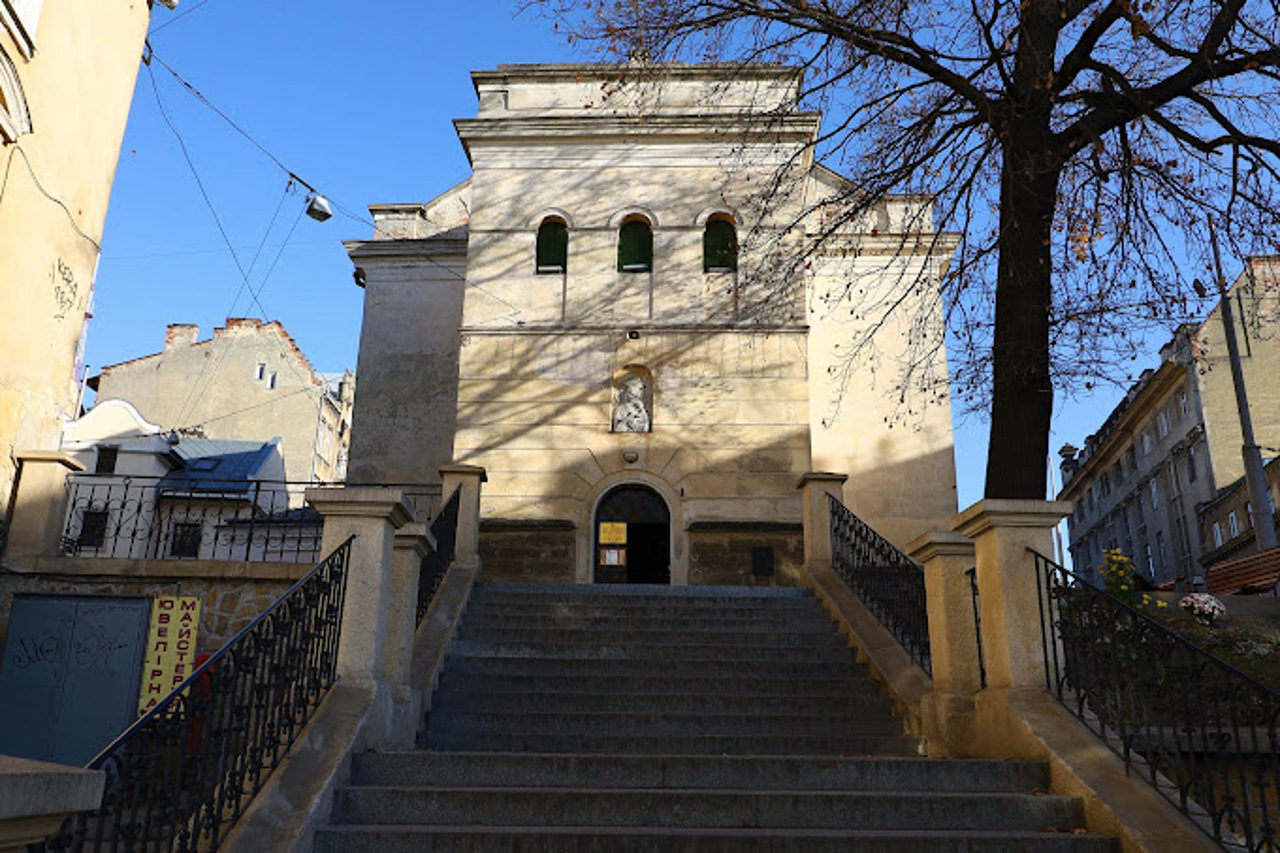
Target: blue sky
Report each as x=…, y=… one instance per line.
x=358, y=101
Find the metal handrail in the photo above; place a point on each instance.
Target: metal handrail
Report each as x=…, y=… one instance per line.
x=444, y=529
x=1201, y=732
x=183, y=773
x=889, y=582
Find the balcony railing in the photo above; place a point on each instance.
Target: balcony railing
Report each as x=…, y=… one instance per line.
x=158, y=518
x=1201, y=732
x=889, y=582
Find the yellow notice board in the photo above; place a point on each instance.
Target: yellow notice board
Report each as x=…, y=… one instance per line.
x=171, y=647
x=613, y=533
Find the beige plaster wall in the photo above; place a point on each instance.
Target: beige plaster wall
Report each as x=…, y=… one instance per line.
x=1256, y=300
x=78, y=85
x=214, y=384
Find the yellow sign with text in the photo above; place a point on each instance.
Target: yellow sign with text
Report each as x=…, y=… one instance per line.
x=613, y=533
x=171, y=647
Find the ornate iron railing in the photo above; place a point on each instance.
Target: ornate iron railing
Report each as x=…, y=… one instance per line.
x=170, y=518
x=179, y=777
x=972, y=575
x=445, y=531
x=889, y=582
x=1198, y=730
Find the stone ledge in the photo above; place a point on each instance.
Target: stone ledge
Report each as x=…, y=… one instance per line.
x=156, y=570
x=36, y=797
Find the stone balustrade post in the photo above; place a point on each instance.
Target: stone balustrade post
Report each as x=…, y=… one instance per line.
x=816, y=488
x=372, y=514
x=467, y=539
x=40, y=503
x=412, y=542
x=947, y=713
x=1002, y=531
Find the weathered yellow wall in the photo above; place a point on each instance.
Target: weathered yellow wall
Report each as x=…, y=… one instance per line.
x=77, y=85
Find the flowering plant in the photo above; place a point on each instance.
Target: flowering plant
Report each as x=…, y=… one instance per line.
x=1204, y=607
x=1117, y=575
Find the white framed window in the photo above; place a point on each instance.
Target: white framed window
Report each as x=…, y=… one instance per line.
x=1162, y=423
x=261, y=372
x=1217, y=535
x=1248, y=511
x=1233, y=524
x=22, y=18
x=14, y=118
x=271, y=381
x=1155, y=495
x=1146, y=442
x=1183, y=408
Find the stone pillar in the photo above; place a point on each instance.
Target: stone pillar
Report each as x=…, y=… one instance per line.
x=467, y=539
x=947, y=712
x=412, y=543
x=1002, y=531
x=372, y=514
x=815, y=487
x=40, y=505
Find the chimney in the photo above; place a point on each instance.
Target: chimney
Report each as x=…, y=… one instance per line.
x=180, y=335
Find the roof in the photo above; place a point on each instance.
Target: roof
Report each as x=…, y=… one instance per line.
x=1245, y=575
x=216, y=465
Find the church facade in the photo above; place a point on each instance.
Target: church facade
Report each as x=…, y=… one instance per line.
x=645, y=316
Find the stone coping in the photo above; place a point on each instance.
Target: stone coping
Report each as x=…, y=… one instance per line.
x=30, y=788
x=157, y=570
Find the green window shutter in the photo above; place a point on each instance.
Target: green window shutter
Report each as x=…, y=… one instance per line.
x=719, y=246
x=635, y=247
x=552, y=254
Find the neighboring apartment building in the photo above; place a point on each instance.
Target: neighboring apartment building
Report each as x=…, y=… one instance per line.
x=67, y=72
x=609, y=316
x=248, y=382
x=1228, y=521
x=1151, y=480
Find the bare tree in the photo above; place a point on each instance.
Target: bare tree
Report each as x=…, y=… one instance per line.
x=1076, y=145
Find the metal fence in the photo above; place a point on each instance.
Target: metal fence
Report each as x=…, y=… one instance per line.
x=889, y=582
x=158, y=518
x=179, y=777
x=444, y=529
x=1198, y=730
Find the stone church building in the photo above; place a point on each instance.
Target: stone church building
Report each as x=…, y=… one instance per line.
x=644, y=315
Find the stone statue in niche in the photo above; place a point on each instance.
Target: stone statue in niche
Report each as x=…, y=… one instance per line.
x=631, y=405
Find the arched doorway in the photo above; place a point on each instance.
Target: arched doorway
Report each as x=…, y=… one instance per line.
x=632, y=536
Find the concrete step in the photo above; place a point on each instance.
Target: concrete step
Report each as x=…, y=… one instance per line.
x=605, y=649
x=654, y=723
x=573, y=839
x=709, y=635
x=704, y=807
x=744, y=684
x=647, y=620
x=705, y=744
x=586, y=667
x=796, y=773
x=648, y=702
x=614, y=591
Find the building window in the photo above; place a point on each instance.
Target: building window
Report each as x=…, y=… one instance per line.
x=93, y=529
x=1233, y=524
x=1162, y=423
x=22, y=18
x=186, y=539
x=552, y=252
x=1146, y=442
x=1191, y=464
x=719, y=245
x=635, y=246
x=1182, y=404
x=1161, y=555
x=1248, y=511
x=1217, y=535
x=261, y=372
x=271, y=381
x=106, y=462
x=14, y=118
x=1151, y=564
x=1155, y=495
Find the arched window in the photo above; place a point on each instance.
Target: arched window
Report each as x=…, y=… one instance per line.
x=719, y=246
x=552, y=253
x=635, y=246
x=14, y=118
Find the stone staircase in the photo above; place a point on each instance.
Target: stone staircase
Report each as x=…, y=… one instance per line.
x=576, y=718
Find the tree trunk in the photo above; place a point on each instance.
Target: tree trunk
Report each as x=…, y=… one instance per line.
x=1022, y=393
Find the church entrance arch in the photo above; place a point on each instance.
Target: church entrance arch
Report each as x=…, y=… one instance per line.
x=632, y=536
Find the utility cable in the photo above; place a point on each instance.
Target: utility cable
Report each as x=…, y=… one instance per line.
x=176, y=18
x=16, y=148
